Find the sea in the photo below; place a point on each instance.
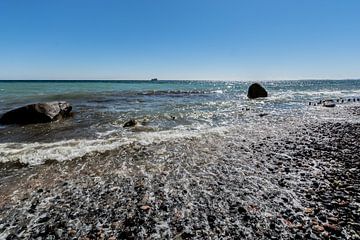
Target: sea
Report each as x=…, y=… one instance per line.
x=165, y=110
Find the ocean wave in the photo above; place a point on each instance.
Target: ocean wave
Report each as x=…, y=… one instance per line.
x=38, y=153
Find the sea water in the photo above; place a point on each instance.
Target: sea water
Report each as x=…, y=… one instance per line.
x=165, y=109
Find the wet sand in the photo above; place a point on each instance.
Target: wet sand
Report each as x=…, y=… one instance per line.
x=288, y=179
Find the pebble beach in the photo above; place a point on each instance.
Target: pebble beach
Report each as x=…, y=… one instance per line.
x=297, y=180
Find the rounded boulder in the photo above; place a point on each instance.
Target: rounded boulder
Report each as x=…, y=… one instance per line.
x=256, y=91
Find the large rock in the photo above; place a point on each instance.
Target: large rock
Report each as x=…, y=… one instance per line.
x=256, y=91
x=37, y=113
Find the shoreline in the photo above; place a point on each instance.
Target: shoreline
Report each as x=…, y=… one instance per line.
x=289, y=181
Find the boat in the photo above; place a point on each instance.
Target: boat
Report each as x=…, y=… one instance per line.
x=153, y=79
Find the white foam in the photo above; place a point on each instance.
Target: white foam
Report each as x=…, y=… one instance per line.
x=218, y=91
x=37, y=153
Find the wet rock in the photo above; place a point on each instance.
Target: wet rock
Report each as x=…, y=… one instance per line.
x=241, y=210
x=329, y=103
x=256, y=91
x=332, y=228
x=43, y=218
x=37, y=113
x=282, y=182
x=130, y=123
x=318, y=228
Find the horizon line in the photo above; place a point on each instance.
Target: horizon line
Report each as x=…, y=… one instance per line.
x=222, y=80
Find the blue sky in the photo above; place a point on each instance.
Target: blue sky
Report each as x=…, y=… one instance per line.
x=179, y=39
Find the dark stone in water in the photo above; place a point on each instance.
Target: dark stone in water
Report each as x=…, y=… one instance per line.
x=329, y=103
x=37, y=113
x=256, y=91
x=130, y=123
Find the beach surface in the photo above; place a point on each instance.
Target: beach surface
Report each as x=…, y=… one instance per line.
x=293, y=181
x=272, y=173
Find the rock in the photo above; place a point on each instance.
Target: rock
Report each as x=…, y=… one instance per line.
x=145, y=207
x=131, y=123
x=242, y=210
x=318, y=228
x=332, y=228
x=263, y=114
x=43, y=218
x=256, y=91
x=37, y=113
x=328, y=103
x=308, y=210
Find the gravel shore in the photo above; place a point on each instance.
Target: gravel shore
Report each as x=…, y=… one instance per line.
x=286, y=180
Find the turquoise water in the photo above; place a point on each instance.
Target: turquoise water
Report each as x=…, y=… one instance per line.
x=164, y=107
x=150, y=97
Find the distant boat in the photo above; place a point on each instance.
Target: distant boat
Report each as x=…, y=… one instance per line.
x=153, y=79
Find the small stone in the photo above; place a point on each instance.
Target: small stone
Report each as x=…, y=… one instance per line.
x=241, y=210
x=322, y=217
x=145, y=207
x=282, y=183
x=43, y=218
x=246, y=218
x=331, y=228
x=272, y=225
x=308, y=210
x=318, y=228
x=333, y=220
x=72, y=232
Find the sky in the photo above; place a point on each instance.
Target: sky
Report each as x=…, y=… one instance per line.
x=180, y=39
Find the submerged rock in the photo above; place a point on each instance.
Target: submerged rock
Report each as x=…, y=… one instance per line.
x=130, y=123
x=256, y=91
x=37, y=113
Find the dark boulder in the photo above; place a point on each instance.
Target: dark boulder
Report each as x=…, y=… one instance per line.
x=37, y=113
x=130, y=123
x=256, y=91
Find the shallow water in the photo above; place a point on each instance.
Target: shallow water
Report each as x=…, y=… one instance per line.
x=168, y=109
